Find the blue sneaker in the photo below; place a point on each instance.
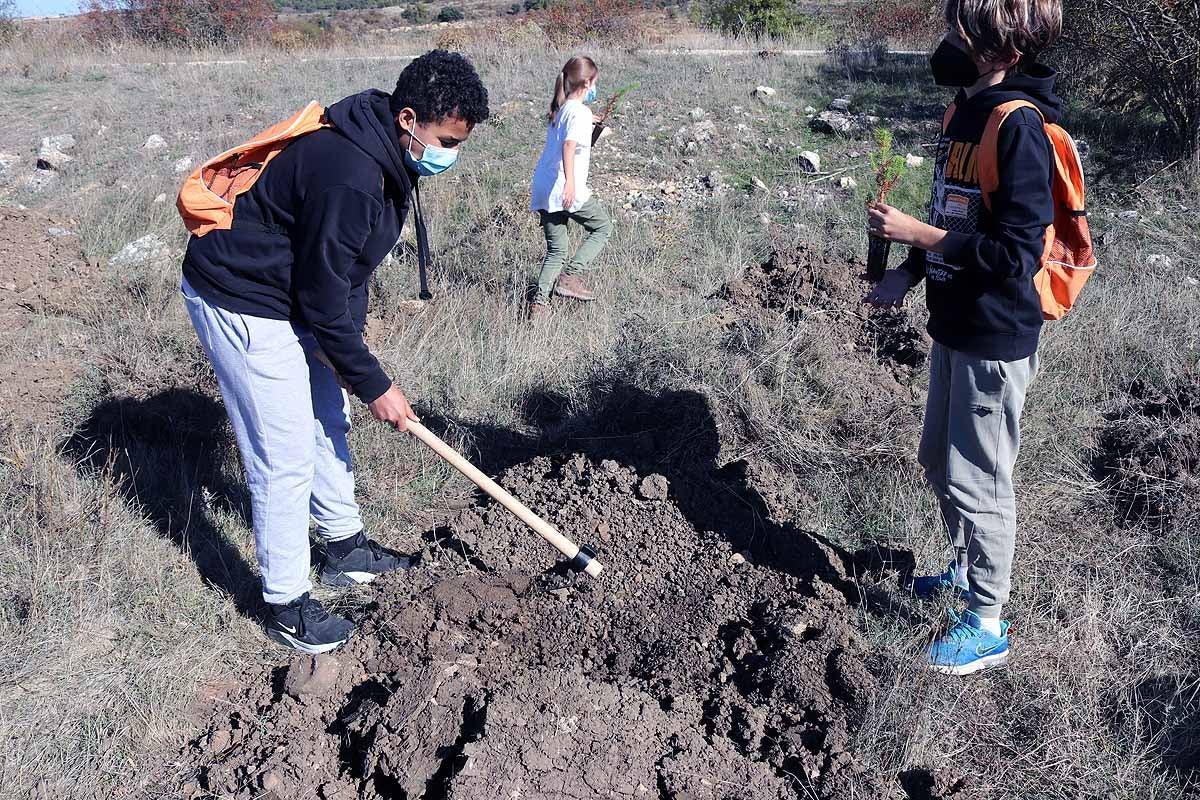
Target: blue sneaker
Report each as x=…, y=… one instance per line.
x=927, y=587
x=967, y=647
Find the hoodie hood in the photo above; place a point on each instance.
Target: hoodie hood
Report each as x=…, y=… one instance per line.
x=1035, y=84
x=366, y=120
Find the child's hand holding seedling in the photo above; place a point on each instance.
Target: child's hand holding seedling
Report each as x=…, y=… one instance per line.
x=888, y=222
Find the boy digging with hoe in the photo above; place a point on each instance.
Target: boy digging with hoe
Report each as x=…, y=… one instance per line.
x=279, y=302
x=978, y=260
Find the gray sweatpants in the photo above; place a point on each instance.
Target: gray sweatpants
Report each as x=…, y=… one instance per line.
x=290, y=418
x=969, y=447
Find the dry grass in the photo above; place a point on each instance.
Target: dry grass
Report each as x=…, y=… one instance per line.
x=123, y=566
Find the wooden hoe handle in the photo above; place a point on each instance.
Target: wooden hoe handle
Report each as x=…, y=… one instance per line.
x=539, y=525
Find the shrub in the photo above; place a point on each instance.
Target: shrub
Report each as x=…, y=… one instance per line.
x=875, y=26
x=756, y=17
x=177, y=22
x=1140, y=54
x=571, y=22
x=417, y=13
x=450, y=14
x=8, y=20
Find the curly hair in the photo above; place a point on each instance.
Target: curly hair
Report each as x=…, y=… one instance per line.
x=441, y=84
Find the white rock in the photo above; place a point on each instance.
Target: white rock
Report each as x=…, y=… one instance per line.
x=846, y=182
x=696, y=113
x=763, y=92
x=737, y=559
x=704, y=131
x=833, y=122
x=1159, y=260
x=914, y=161
x=809, y=161
x=138, y=252
x=41, y=179
x=757, y=183
x=52, y=155
x=7, y=161
x=160, y=198
x=63, y=141
x=155, y=142
x=840, y=104
x=183, y=165
x=809, y=110
x=57, y=232
x=1128, y=215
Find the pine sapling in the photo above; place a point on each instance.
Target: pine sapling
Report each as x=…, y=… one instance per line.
x=889, y=169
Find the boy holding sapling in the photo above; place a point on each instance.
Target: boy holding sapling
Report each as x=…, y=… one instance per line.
x=979, y=260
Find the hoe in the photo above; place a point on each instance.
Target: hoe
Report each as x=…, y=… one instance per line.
x=582, y=559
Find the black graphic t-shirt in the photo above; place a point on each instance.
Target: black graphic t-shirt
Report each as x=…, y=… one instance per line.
x=980, y=291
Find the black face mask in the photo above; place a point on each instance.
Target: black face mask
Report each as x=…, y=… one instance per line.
x=952, y=66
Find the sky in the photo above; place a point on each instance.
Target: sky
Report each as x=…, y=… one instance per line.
x=37, y=8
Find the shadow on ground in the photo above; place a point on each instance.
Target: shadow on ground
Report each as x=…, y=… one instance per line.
x=167, y=455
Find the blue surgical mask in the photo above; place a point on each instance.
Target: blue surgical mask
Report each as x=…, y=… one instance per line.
x=433, y=161
x=591, y=95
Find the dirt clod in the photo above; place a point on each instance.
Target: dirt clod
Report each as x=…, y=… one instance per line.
x=312, y=676
x=653, y=487
x=1149, y=452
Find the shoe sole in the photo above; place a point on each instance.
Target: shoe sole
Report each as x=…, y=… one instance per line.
x=978, y=665
x=304, y=647
x=573, y=296
x=345, y=579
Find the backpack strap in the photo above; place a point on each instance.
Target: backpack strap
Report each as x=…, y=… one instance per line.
x=949, y=115
x=422, y=246
x=989, y=146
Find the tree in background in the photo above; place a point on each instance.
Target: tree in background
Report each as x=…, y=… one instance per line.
x=450, y=14
x=417, y=13
x=756, y=17
x=177, y=22
x=1138, y=54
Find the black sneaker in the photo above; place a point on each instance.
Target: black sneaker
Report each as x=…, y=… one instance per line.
x=305, y=625
x=362, y=562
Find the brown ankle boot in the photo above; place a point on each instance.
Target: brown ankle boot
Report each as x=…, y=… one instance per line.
x=539, y=312
x=572, y=286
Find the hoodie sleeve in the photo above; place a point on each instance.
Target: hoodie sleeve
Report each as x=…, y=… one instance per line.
x=332, y=228
x=1022, y=206
x=914, y=264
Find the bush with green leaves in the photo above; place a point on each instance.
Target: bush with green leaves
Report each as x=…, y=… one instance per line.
x=756, y=17
x=417, y=14
x=450, y=14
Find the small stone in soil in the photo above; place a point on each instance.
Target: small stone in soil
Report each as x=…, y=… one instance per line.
x=653, y=487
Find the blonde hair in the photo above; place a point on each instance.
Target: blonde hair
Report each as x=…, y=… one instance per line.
x=575, y=73
x=996, y=30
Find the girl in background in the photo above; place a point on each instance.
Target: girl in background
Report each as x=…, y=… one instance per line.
x=560, y=191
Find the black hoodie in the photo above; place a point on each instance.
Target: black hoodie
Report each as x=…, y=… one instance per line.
x=308, y=235
x=980, y=292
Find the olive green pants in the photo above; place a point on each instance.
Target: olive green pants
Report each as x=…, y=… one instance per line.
x=598, y=226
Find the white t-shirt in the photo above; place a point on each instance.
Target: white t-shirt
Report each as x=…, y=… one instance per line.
x=572, y=123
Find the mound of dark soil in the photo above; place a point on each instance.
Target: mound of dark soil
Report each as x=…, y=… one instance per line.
x=1149, y=452
x=718, y=656
x=803, y=284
